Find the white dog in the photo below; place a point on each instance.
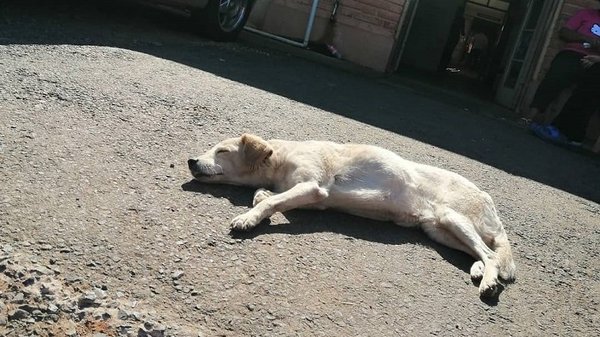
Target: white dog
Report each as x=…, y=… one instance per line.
x=367, y=181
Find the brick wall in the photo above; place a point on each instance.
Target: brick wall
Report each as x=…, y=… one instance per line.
x=376, y=16
x=364, y=32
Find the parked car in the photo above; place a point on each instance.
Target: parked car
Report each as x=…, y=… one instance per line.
x=221, y=20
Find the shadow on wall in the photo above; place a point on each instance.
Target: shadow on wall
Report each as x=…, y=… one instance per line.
x=457, y=126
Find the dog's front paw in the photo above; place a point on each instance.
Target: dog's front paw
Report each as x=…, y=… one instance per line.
x=244, y=222
x=260, y=195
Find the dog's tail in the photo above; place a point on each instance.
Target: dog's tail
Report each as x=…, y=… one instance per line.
x=506, y=264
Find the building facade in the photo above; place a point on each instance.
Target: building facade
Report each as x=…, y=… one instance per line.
x=503, y=46
x=363, y=31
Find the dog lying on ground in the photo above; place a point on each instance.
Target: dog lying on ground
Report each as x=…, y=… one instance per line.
x=367, y=181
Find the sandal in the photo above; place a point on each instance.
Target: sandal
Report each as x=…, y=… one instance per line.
x=548, y=133
x=552, y=134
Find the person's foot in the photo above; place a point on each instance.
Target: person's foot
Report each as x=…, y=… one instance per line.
x=547, y=132
x=552, y=134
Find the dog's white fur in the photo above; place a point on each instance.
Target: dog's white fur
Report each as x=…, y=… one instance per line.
x=368, y=181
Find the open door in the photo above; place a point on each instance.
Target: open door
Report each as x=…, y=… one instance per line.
x=428, y=33
x=526, y=45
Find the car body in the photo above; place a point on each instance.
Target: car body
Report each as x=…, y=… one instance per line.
x=220, y=20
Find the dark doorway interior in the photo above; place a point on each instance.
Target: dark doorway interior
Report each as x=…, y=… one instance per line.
x=474, y=41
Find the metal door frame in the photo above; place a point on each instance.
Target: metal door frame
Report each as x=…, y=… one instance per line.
x=512, y=97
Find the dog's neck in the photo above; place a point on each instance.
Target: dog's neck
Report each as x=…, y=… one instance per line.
x=265, y=173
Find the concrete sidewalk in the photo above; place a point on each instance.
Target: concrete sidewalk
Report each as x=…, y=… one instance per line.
x=421, y=84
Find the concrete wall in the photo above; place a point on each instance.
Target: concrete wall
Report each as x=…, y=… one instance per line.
x=364, y=32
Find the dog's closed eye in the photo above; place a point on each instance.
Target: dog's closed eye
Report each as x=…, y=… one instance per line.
x=222, y=151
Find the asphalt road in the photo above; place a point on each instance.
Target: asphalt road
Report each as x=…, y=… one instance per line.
x=101, y=104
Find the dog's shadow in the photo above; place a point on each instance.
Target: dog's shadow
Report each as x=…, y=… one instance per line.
x=310, y=222
x=237, y=195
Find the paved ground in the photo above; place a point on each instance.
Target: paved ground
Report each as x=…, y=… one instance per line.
x=103, y=231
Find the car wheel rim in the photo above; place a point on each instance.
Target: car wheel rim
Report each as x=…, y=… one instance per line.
x=231, y=14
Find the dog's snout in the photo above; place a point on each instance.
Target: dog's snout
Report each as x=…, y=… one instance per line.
x=192, y=163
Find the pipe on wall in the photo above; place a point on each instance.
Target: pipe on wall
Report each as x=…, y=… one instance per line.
x=307, y=32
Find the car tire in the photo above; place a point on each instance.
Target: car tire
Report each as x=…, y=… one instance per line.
x=222, y=24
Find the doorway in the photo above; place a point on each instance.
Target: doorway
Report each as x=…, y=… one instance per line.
x=484, y=48
x=527, y=42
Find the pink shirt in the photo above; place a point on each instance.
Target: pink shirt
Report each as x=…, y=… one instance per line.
x=585, y=22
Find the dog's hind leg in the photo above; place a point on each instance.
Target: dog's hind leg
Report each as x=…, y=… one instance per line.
x=464, y=230
x=497, y=239
x=440, y=235
x=506, y=264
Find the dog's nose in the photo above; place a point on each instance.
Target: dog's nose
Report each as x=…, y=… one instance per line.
x=192, y=163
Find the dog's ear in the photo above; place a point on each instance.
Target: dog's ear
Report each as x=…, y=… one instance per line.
x=255, y=149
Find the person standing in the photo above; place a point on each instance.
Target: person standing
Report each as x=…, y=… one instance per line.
x=581, y=33
x=573, y=119
x=479, y=46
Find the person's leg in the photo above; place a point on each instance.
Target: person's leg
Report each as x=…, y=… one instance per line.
x=575, y=115
x=471, y=58
x=563, y=72
x=447, y=54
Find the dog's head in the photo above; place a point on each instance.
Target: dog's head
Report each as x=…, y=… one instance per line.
x=232, y=161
